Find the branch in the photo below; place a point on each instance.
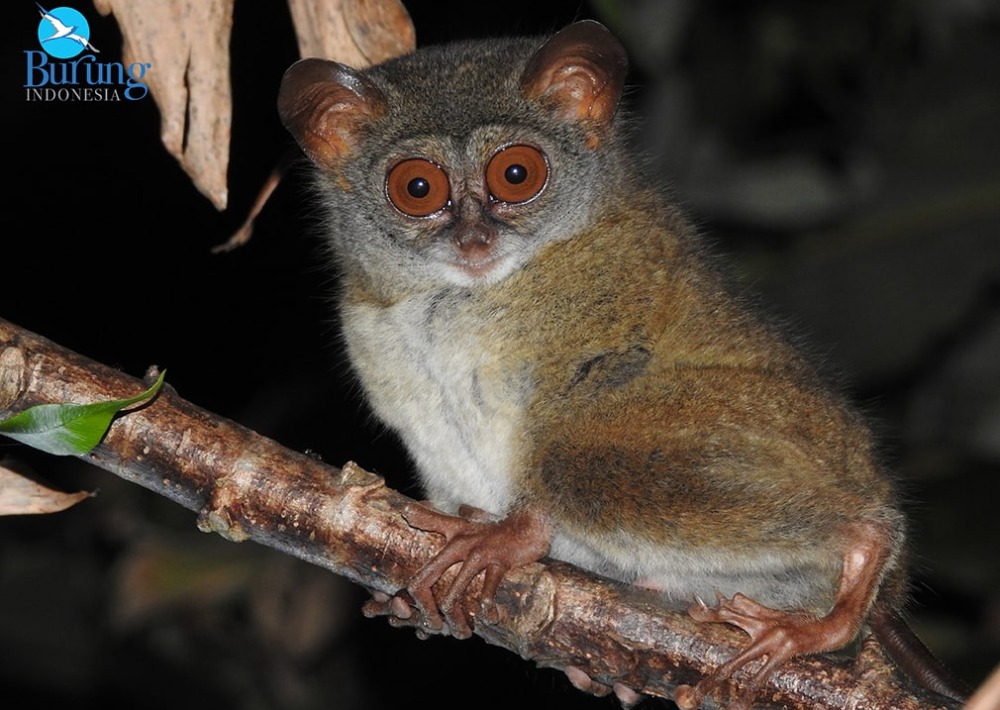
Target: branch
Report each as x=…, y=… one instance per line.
x=245, y=486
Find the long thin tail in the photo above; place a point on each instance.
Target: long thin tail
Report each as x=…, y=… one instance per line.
x=912, y=656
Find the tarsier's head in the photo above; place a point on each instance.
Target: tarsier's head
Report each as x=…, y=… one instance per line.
x=455, y=164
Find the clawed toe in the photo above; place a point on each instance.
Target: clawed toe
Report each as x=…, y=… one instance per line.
x=739, y=611
x=627, y=697
x=581, y=680
x=402, y=611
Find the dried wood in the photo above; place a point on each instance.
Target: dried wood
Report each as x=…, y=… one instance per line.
x=187, y=44
x=354, y=32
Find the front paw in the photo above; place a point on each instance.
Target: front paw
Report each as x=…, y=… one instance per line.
x=478, y=545
x=473, y=545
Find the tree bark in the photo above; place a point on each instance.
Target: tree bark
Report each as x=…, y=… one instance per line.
x=247, y=487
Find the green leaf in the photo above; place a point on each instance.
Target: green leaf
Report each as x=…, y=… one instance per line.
x=69, y=429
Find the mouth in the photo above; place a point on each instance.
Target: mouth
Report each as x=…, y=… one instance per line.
x=478, y=268
x=483, y=271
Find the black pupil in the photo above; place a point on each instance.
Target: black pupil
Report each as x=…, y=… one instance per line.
x=515, y=174
x=418, y=187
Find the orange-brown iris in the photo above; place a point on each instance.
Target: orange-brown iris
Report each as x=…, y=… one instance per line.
x=517, y=174
x=417, y=187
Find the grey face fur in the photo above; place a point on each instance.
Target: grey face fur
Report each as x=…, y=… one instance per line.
x=457, y=106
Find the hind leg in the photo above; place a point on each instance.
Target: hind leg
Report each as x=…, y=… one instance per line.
x=781, y=635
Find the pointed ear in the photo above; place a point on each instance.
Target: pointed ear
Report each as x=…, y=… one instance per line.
x=323, y=104
x=580, y=72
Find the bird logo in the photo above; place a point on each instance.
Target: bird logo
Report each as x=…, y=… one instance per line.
x=64, y=32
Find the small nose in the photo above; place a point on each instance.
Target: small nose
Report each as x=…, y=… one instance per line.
x=474, y=235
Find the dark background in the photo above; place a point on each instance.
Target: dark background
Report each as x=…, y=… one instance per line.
x=845, y=155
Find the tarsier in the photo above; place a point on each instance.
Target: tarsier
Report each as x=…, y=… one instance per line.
x=568, y=370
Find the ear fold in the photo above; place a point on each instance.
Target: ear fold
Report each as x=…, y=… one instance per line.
x=323, y=104
x=580, y=72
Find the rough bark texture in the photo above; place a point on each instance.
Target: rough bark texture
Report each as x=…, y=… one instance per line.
x=245, y=486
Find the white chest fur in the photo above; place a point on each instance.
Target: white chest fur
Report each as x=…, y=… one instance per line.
x=436, y=382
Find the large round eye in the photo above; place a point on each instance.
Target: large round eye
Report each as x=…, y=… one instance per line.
x=417, y=187
x=517, y=174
